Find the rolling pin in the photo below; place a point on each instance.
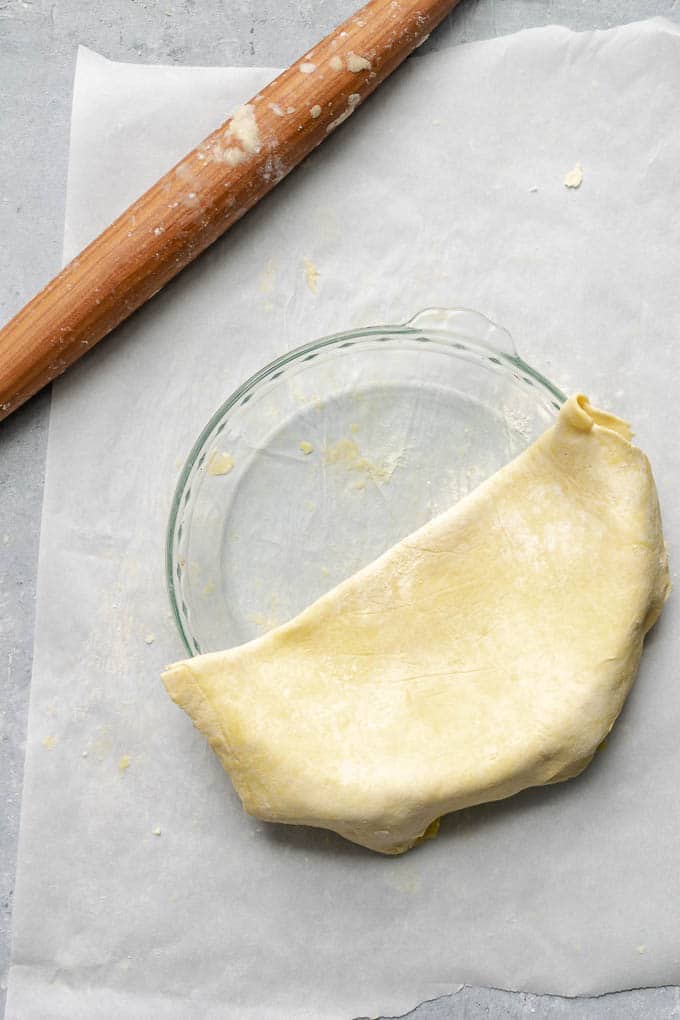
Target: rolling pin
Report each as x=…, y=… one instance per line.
x=205, y=193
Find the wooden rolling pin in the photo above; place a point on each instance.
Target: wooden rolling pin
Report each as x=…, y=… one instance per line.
x=211, y=188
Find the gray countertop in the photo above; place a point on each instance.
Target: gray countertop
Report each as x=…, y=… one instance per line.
x=38, y=42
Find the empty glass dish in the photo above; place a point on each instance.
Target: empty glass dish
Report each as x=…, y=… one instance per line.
x=334, y=452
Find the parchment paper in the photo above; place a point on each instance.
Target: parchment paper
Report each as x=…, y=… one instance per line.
x=446, y=188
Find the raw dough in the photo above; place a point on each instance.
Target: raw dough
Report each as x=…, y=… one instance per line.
x=489, y=651
x=574, y=178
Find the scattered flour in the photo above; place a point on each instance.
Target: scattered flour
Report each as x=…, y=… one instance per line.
x=347, y=454
x=311, y=275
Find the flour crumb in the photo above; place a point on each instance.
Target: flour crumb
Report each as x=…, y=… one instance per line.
x=311, y=275
x=124, y=763
x=84, y=754
x=517, y=422
x=149, y=639
x=156, y=831
x=243, y=127
x=49, y=742
x=533, y=190
x=315, y=111
x=335, y=63
x=275, y=108
x=232, y=155
x=353, y=101
x=307, y=67
x=356, y=63
x=641, y=949
x=220, y=463
x=574, y=178
x=347, y=454
x=209, y=588
x=306, y=447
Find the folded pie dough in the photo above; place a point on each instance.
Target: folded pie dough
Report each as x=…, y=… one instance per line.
x=489, y=651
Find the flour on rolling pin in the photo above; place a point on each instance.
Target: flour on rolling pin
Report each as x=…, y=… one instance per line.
x=209, y=190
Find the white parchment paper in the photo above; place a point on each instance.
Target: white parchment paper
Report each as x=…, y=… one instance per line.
x=446, y=188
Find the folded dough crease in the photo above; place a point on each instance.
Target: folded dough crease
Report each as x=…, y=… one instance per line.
x=489, y=651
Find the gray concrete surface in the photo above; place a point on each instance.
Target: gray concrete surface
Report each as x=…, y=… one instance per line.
x=38, y=42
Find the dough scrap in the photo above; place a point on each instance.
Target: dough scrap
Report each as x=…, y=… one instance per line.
x=489, y=651
x=574, y=179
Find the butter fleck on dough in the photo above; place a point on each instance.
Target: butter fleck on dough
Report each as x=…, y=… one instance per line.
x=306, y=447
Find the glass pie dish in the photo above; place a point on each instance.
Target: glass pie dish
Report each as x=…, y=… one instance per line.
x=331, y=454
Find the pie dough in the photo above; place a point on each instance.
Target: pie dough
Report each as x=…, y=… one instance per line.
x=489, y=651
